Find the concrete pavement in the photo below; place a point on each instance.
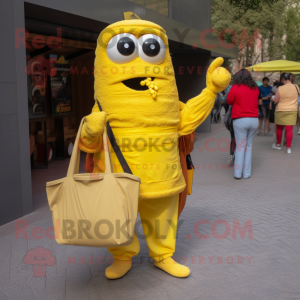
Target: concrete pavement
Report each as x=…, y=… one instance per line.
x=239, y=238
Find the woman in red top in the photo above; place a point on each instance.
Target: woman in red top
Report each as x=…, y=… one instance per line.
x=243, y=97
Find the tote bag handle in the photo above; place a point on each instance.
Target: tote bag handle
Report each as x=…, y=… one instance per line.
x=75, y=157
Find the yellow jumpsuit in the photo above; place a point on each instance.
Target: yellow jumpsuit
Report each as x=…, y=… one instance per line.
x=147, y=131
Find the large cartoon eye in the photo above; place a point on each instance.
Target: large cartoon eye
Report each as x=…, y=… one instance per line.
x=122, y=48
x=152, y=49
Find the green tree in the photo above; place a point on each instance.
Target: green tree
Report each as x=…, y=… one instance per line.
x=251, y=4
x=292, y=32
x=267, y=21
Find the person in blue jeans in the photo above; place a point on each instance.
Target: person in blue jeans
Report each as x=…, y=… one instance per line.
x=243, y=97
x=265, y=91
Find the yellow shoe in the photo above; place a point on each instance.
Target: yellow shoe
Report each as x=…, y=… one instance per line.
x=118, y=269
x=173, y=268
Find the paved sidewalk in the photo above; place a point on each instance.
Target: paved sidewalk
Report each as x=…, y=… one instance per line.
x=227, y=261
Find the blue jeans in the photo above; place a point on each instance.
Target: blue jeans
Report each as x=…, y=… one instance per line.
x=244, y=129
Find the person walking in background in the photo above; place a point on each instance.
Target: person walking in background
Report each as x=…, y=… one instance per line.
x=293, y=81
x=292, y=78
x=244, y=96
x=230, y=160
x=226, y=106
x=223, y=100
x=265, y=91
x=286, y=111
x=276, y=84
x=229, y=125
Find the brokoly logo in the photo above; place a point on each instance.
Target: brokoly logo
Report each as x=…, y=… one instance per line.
x=39, y=258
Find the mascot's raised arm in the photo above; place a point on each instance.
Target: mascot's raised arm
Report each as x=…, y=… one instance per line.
x=135, y=85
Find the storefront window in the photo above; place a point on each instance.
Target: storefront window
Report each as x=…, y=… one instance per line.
x=160, y=6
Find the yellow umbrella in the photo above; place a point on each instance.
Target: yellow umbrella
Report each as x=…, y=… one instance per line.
x=276, y=66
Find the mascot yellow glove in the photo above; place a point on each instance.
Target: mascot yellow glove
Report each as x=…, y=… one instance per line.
x=91, y=134
x=217, y=78
x=197, y=109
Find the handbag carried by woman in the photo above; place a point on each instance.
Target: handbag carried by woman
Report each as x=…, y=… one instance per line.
x=272, y=113
x=228, y=119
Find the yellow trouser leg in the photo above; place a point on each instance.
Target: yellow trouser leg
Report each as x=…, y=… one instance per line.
x=159, y=220
x=126, y=252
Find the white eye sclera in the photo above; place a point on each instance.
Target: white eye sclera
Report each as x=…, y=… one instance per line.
x=124, y=48
x=152, y=49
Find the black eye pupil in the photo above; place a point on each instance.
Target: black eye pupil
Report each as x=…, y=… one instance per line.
x=151, y=47
x=126, y=46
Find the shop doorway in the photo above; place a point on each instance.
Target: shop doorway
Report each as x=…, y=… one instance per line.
x=60, y=86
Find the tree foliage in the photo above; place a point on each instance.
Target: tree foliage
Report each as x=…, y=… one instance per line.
x=292, y=32
x=251, y=4
x=267, y=22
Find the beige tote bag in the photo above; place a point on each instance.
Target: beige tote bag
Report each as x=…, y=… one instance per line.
x=94, y=209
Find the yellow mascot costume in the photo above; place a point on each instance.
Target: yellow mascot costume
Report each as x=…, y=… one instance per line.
x=136, y=87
